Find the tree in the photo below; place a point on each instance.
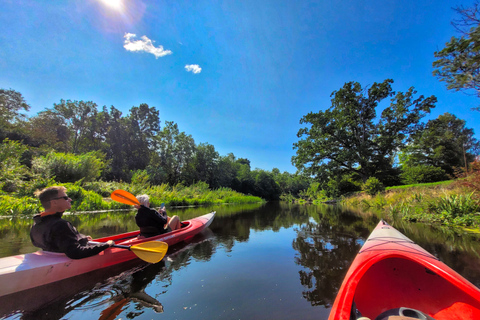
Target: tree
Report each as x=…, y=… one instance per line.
x=345, y=139
x=48, y=129
x=444, y=142
x=265, y=185
x=205, y=164
x=458, y=64
x=115, y=138
x=175, y=151
x=143, y=128
x=227, y=171
x=12, y=104
x=77, y=117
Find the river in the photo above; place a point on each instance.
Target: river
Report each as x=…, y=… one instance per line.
x=262, y=261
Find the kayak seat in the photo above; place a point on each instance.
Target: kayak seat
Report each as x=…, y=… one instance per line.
x=399, y=318
x=403, y=314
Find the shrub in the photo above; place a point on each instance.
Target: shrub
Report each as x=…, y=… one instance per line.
x=13, y=172
x=67, y=167
x=422, y=174
x=141, y=178
x=373, y=186
x=15, y=206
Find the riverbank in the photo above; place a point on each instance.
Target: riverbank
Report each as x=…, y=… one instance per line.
x=95, y=196
x=450, y=203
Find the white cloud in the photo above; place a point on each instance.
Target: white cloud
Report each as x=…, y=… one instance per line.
x=195, y=68
x=144, y=44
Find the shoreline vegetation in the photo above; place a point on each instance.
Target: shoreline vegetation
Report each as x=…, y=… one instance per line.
x=95, y=196
x=453, y=203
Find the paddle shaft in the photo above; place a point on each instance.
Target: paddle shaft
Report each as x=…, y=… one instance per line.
x=122, y=246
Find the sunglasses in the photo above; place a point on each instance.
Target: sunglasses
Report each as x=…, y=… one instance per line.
x=64, y=197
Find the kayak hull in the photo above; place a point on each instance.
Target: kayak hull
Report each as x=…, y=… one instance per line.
x=391, y=275
x=27, y=271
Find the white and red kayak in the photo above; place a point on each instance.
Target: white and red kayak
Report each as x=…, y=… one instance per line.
x=27, y=271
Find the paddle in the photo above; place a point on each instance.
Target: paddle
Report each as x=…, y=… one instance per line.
x=124, y=197
x=151, y=251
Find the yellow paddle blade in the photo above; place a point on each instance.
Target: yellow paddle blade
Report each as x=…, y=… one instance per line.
x=152, y=251
x=124, y=197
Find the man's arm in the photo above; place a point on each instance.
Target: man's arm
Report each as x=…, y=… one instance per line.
x=73, y=244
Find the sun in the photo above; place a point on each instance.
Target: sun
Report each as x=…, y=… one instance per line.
x=114, y=4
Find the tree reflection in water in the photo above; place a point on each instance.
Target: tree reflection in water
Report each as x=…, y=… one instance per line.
x=327, y=245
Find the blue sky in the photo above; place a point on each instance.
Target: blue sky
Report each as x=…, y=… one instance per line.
x=235, y=74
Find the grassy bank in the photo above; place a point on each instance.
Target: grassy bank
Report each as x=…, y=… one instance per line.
x=96, y=196
x=450, y=203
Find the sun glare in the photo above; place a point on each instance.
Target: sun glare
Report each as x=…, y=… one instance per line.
x=114, y=4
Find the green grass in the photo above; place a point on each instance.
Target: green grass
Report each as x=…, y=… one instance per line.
x=95, y=196
x=446, y=203
x=430, y=184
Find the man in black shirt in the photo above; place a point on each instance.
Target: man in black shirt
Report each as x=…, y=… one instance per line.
x=52, y=233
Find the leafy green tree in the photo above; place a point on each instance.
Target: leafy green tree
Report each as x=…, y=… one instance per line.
x=245, y=178
x=444, y=142
x=116, y=145
x=77, y=117
x=12, y=104
x=143, y=128
x=175, y=151
x=291, y=184
x=205, y=164
x=227, y=170
x=49, y=131
x=345, y=139
x=458, y=63
x=265, y=185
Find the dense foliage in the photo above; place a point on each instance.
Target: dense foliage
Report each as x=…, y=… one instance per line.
x=443, y=143
x=458, y=63
x=75, y=141
x=348, y=138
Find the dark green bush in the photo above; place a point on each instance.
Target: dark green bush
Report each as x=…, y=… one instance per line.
x=373, y=186
x=67, y=167
x=422, y=174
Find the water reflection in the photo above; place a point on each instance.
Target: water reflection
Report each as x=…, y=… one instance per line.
x=326, y=246
x=289, y=261
x=125, y=291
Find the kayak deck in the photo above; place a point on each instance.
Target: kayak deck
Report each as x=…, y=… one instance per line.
x=392, y=272
x=398, y=282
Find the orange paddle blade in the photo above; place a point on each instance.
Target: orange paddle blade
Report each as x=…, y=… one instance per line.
x=124, y=197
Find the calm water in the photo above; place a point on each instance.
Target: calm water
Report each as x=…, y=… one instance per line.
x=272, y=261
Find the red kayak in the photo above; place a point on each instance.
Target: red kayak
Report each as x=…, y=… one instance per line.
x=27, y=271
x=394, y=278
